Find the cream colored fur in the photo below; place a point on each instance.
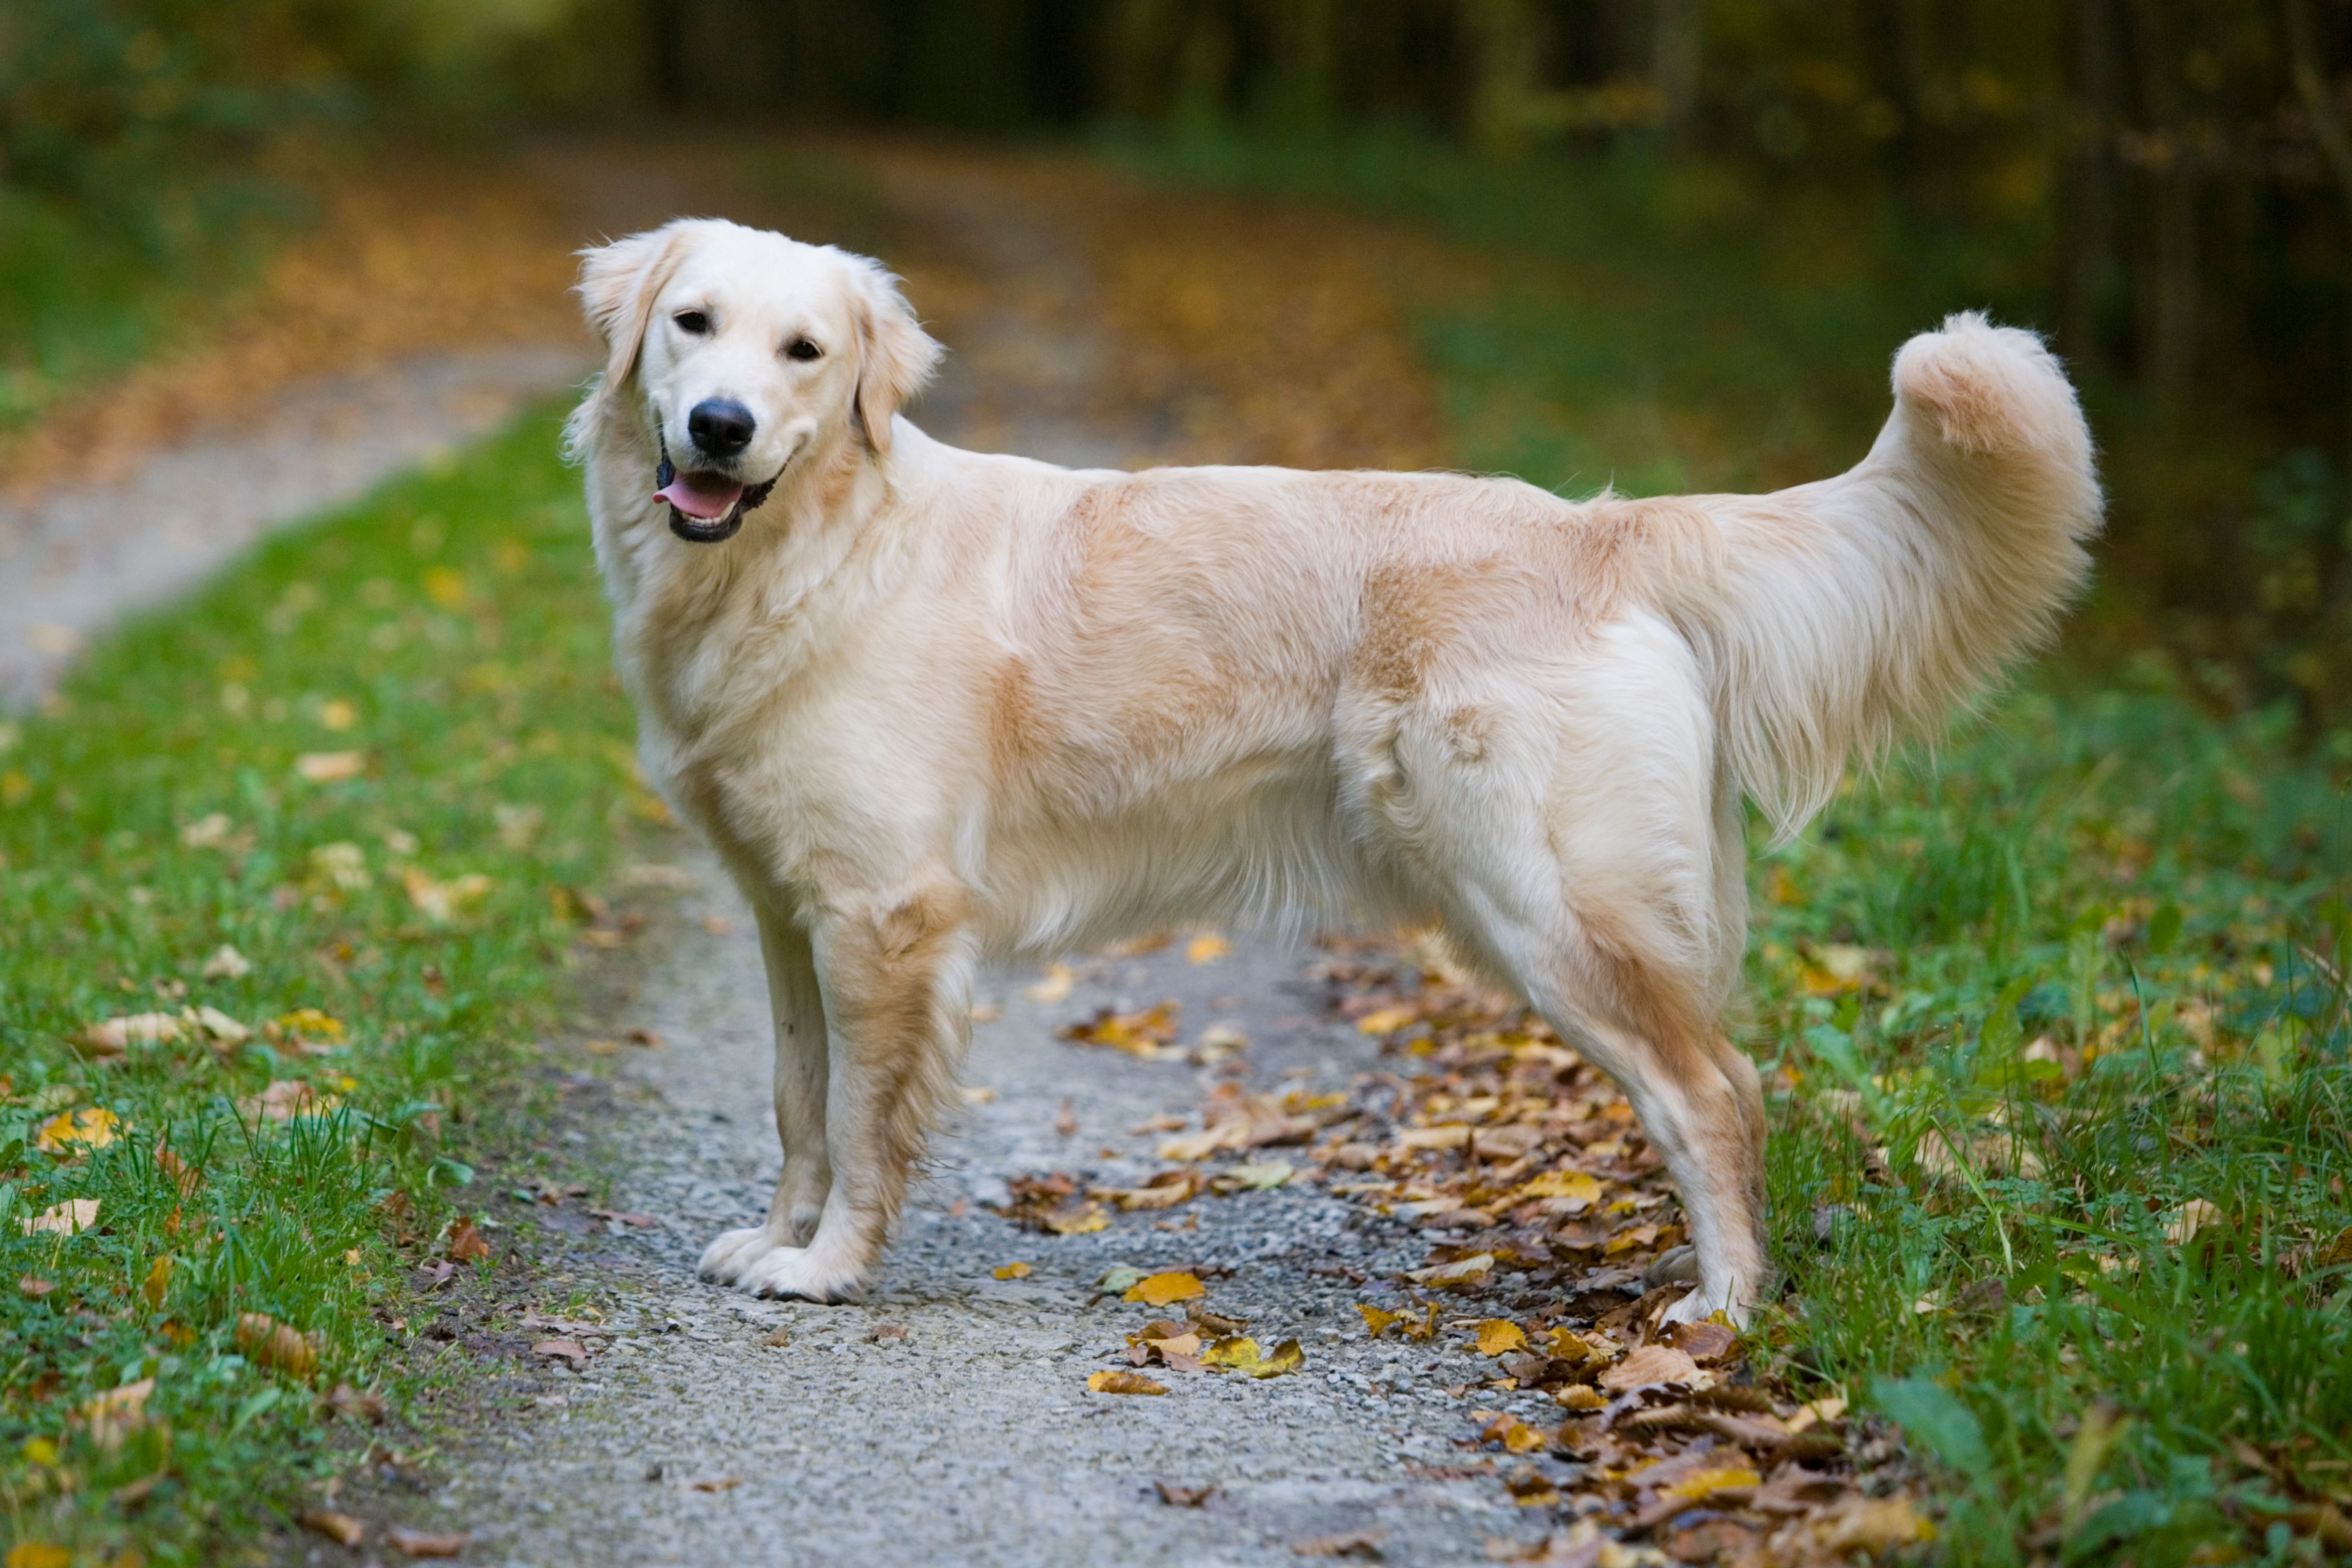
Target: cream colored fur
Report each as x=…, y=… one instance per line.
x=936, y=708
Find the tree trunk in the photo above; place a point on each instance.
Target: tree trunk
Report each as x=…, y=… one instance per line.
x=1676, y=52
x=2091, y=281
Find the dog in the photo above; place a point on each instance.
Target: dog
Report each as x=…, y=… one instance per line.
x=934, y=708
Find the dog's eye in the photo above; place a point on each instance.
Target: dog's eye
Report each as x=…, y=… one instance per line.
x=803, y=350
x=693, y=321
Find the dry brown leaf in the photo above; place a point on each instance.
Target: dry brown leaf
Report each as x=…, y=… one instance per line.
x=1148, y=1033
x=34, y=1287
x=1871, y=1524
x=571, y=1351
x=2181, y=1226
x=424, y=1543
x=1121, y=1381
x=266, y=1342
x=1176, y=1495
x=776, y=1339
x=466, y=1244
x=1650, y=1364
x=330, y=767
x=356, y=1405
x=1364, y=1545
x=341, y=1529
x=1466, y=1271
x=114, y=1036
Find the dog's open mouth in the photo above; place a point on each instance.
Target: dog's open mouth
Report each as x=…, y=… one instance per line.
x=705, y=508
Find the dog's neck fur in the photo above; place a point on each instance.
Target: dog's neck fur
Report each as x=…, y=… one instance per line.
x=706, y=632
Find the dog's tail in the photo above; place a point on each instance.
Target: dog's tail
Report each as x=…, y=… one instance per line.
x=1847, y=613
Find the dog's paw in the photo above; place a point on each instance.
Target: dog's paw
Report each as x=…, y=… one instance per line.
x=1699, y=1303
x=725, y=1260
x=797, y=1273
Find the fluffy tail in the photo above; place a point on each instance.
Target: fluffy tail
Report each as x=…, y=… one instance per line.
x=1854, y=610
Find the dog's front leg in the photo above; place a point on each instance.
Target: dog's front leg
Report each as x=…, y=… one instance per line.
x=896, y=977
x=797, y=1003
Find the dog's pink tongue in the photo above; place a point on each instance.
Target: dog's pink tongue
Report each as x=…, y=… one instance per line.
x=705, y=495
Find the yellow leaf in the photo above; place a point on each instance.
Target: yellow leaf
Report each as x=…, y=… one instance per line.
x=1519, y=1438
x=1378, y=1322
x=1571, y=1184
x=93, y=1127
x=1387, y=1021
x=64, y=1219
x=1013, y=1271
x=336, y=713
x=1581, y=1396
x=1122, y=1382
x=1286, y=1358
x=1076, y=1218
x=1160, y=1290
x=1207, y=949
x=1707, y=1483
x=1237, y=1350
x=446, y=589
x=1496, y=1335
x=39, y=1554
x=158, y=1282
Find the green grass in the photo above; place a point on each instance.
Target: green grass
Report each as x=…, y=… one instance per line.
x=451, y=632
x=2027, y=1002
x=2095, y=945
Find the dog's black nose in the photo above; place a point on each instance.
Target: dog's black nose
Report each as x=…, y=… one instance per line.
x=721, y=427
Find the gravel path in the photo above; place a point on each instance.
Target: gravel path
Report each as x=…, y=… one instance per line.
x=80, y=558
x=973, y=1439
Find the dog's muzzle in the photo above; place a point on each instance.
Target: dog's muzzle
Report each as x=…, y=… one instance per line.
x=707, y=530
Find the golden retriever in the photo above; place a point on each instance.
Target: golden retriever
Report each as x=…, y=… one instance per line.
x=936, y=708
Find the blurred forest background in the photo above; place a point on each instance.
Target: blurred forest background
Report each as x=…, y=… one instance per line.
x=2165, y=186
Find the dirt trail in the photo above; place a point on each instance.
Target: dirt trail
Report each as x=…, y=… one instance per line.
x=971, y=1437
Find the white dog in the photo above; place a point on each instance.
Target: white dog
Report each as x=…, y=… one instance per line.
x=934, y=707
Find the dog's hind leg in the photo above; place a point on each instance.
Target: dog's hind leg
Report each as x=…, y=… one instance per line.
x=797, y=1003
x=896, y=976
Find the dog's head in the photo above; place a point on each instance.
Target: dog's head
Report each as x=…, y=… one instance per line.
x=746, y=354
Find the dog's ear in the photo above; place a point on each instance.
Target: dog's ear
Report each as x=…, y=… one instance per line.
x=896, y=356
x=618, y=284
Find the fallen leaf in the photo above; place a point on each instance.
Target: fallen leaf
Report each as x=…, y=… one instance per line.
x=157, y=1283
x=465, y=1243
x=1144, y=1033
x=777, y=1338
x=1164, y=1191
x=420, y=1543
x=2181, y=1226
x=113, y=1415
x=1011, y=1272
x=1161, y=1289
x=1581, y=1396
x=340, y=1528
x=266, y=1342
x=1388, y=1020
x=1578, y=1189
x=1707, y=1483
x=634, y=1221
x=113, y=1036
x=977, y=1094
x=1473, y=1270
x=1175, y=1496
x=1649, y=1364
x=330, y=767
x=227, y=963
x=571, y=1351
x=357, y=1405
x=92, y=1128
x=1252, y=1178
x=35, y=1288
x=1060, y=980
x=1704, y=1343
x=1065, y=1121
x=1379, y=1319
x=286, y=1099
x=1497, y=1335
x=1207, y=949
x=1871, y=1524
x=445, y=903
x=66, y=1218
x=1361, y=1544
x=39, y=1554
x=1121, y=1381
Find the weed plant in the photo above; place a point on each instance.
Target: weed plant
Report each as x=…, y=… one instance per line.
x=380, y=762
